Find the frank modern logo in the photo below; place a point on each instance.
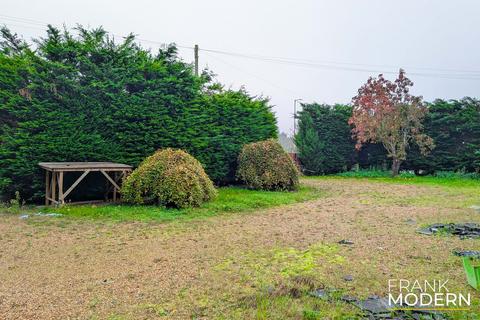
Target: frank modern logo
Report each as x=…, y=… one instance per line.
x=406, y=294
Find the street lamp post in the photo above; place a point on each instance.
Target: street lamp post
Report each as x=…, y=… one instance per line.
x=295, y=115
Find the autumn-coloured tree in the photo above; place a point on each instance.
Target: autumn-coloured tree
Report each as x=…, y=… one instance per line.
x=385, y=112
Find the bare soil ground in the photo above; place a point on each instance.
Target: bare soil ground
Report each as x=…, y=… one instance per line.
x=76, y=269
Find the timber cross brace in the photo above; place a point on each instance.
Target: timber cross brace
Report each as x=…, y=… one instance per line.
x=55, y=171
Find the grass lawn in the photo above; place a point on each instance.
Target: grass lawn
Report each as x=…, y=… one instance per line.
x=230, y=199
x=221, y=265
x=447, y=180
x=456, y=192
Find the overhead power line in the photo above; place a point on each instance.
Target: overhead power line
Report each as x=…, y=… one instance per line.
x=350, y=67
x=253, y=75
x=253, y=56
x=305, y=63
x=25, y=20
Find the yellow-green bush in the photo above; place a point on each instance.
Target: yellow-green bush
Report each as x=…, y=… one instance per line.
x=169, y=177
x=265, y=165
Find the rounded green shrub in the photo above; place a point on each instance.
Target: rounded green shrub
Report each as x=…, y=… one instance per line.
x=169, y=177
x=265, y=165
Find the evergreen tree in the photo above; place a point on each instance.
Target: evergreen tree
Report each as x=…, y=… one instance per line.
x=309, y=146
x=324, y=139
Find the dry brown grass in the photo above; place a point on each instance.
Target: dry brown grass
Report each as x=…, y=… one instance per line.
x=86, y=270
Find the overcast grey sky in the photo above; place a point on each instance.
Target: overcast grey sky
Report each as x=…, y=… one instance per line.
x=376, y=35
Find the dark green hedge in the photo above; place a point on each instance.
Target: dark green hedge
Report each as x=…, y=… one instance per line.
x=455, y=127
x=325, y=146
x=86, y=97
x=218, y=124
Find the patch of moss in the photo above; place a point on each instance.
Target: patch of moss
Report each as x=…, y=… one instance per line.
x=276, y=283
x=262, y=267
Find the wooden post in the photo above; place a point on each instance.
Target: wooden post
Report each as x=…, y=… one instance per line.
x=107, y=190
x=115, y=177
x=196, y=59
x=47, y=187
x=60, y=188
x=54, y=185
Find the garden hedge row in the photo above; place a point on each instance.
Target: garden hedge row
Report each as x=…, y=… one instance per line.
x=89, y=98
x=325, y=146
x=455, y=127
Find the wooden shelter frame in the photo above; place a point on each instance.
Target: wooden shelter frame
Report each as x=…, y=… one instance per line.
x=55, y=172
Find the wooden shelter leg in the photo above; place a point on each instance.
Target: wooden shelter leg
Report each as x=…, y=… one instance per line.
x=53, y=185
x=115, y=189
x=47, y=187
x=107, y=190
x=61, y=198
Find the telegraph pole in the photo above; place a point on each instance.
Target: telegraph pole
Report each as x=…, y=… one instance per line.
x=295, y=115
x=196, y=59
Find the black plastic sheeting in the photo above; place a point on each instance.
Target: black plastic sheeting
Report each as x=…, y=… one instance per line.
x=463, y=230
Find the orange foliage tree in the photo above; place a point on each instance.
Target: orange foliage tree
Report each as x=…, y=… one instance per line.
x=385, y=112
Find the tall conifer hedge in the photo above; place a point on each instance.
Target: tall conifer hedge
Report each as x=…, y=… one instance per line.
x=325, y=146
x=455, y=127
x=86, y=97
